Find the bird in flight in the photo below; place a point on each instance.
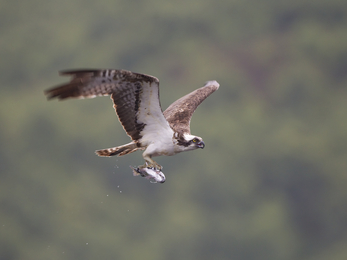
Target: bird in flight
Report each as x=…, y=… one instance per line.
x=135, y=98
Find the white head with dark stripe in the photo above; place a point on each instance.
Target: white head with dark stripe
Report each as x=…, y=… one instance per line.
x=188, y=142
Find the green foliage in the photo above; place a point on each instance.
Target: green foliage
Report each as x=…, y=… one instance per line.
x=270, y=183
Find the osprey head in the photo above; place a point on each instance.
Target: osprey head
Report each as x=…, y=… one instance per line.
x=190, y=142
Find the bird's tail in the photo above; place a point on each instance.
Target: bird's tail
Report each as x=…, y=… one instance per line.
x=119, y=150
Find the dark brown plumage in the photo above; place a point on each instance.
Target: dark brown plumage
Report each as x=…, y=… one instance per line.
x=125, y=88
x=179, y=113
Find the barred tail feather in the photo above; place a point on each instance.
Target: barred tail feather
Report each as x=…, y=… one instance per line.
x=119, y=150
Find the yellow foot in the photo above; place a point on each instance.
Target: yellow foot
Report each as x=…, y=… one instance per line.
x=151, y=165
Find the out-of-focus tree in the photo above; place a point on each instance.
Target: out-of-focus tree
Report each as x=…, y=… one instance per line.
x=270, y=183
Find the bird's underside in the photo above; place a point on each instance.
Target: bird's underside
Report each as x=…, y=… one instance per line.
x=136, y=101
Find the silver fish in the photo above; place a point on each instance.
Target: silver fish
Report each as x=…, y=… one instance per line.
x=149, y=173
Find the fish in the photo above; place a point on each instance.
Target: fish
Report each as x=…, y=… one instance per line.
x=149, y=173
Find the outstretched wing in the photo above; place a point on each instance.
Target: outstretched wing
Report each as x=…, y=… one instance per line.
x=135, y=96
x=179, y=113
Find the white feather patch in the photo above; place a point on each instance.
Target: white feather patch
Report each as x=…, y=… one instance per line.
x=157, y=134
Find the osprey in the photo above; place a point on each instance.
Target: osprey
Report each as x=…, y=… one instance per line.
x=136, y=101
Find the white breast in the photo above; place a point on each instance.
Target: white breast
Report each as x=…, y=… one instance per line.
x=158, y=142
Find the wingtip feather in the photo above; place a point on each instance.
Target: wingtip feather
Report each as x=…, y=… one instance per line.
x=213, y=83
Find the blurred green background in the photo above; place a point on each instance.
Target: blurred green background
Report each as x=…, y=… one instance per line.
x=271, y=182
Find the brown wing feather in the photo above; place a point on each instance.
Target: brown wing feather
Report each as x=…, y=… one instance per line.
x=179, y=113
x=125, y=88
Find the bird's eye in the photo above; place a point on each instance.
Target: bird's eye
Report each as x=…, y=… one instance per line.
x=195, y=140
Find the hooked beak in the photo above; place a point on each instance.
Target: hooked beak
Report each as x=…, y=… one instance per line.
x=201, y=145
